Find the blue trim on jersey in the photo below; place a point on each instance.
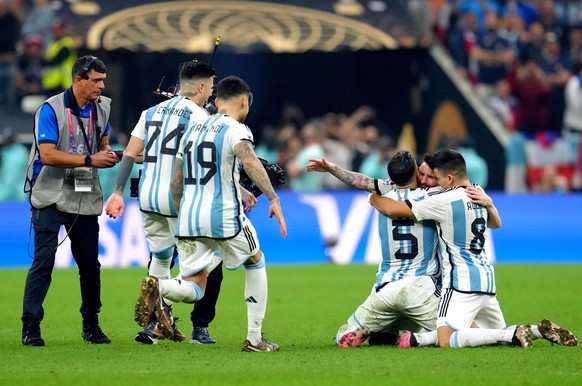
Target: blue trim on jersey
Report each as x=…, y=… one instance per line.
x=200, y=188
x=186, y=122
x=428, y=236
x=385, y=247
x=461, y=241
x=403, y=245
x=147, y=165
x=216, y=216
x=487, y=267
x=185, y=139
x=158, y=166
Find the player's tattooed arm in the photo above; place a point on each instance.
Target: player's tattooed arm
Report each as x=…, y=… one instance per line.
x=177, y=183
x=357, y=180
x=254, y=168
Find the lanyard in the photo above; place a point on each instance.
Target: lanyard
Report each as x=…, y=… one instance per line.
x=89, y=139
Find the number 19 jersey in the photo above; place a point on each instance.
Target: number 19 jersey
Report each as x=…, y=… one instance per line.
x=211, y=204
x=161, y=127
x=408, y=247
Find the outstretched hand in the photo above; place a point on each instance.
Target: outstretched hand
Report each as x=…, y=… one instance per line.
x=319, y=165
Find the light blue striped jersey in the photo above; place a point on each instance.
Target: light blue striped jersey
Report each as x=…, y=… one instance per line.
x=408, y=247
x=211, y=205
x=461, y=227
x=161, y=127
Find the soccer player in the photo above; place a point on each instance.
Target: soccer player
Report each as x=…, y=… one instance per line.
x=469, y=298
x=206, y=192
x=157, y=134
x=405, y=294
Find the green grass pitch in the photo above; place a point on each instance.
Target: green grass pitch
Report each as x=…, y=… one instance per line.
x=306, y=306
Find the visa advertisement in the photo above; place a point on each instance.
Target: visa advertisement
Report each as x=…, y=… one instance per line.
x=326, y=227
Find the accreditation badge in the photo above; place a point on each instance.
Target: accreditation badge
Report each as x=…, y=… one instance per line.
x=83, y=179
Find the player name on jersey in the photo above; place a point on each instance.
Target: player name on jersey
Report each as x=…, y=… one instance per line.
x=212, y=128
x=164, y=110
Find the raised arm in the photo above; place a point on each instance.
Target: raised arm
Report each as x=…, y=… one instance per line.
x=256, y=172
x=478, y=196
x=357, y=180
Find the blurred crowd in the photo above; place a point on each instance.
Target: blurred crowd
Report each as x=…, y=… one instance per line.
x=36, y=57
x=36, y=53
x=524, y=57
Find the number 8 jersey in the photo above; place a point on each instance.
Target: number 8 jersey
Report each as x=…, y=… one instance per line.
x=161, y=127
x=461, y=227
x=211, y=204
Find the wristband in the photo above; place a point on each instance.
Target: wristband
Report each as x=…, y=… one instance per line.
x=88, y=160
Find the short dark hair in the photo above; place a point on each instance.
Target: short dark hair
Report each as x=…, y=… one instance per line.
x=232, y=86
x=428, y=158
x=196, y=70
x=449, y=162
x=85, y=64
x=402, y=168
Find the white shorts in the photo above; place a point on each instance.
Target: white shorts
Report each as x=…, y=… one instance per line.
x=198, y=253
x=459, y=310
x=407, y=304
x=160, y=231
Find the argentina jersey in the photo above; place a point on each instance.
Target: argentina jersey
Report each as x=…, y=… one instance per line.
x=161, y=127
x=461, y=226
x=211, y=204
x=408, y=247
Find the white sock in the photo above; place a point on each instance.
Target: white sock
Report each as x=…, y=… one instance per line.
x=534, y=329
x=161, y=261
x=179, y=290
x=426, y=338
x=256, y=297
x=535, y=332
x=475, y=337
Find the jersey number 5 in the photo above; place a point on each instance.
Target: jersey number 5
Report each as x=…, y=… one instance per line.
x=399, y=234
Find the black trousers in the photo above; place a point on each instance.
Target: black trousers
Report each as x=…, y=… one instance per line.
x=84, y=235
x=204, y=310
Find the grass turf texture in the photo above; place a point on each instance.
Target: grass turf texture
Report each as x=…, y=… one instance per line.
x=307, y=304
